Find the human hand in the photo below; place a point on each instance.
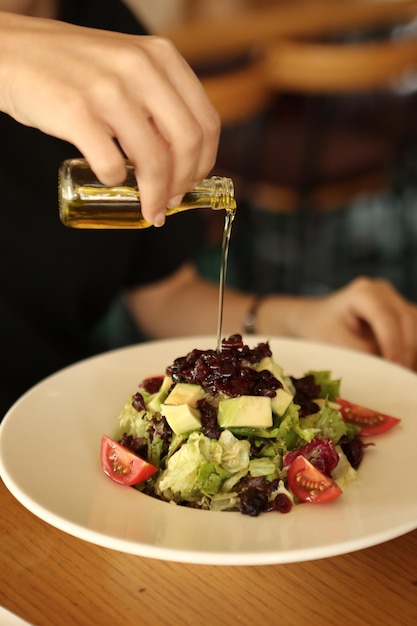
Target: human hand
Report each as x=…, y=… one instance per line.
x=367, y=314
x=91, y=87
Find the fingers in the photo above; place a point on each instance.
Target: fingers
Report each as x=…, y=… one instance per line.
x=193, y=97
x=165, y=124
x=179, y=145
x=334, y=319
x=394, y=328
x=98, y=147
x=101, y=91
x=390, y=319
x=367, y=315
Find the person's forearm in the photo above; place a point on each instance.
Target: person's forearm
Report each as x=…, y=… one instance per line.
x=367, y=315
x=184, y=304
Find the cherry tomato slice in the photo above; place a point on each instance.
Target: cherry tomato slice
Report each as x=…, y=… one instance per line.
x=309, y=484
x=371, y=422
x=122, y=465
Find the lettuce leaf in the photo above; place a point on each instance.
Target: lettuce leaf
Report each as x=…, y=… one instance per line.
x=330, y=387
x=328, y=423
x=131, y=421
x=201, y=466
x=291, y=430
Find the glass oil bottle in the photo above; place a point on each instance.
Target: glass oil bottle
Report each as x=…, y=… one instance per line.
x=84, y=202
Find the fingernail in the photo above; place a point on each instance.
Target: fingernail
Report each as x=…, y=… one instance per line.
x=159, y=220
x=174, y=202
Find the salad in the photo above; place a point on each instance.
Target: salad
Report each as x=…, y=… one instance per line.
x=231, y=431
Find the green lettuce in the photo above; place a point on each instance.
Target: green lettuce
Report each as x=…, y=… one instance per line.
x=292, y=430
x=329, y=387
x=131, y=421
x=327, y=423
x=201, y=466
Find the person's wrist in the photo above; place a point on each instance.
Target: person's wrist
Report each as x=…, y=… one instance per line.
x=250, y=322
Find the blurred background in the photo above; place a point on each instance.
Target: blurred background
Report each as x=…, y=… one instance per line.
x=318, y=106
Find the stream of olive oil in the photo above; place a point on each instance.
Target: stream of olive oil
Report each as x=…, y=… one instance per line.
x=227, y=231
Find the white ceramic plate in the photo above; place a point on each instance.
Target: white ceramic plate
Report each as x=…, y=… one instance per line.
x=49, y=460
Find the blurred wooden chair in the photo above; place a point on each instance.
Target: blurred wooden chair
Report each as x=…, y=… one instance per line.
x=326, y=73
x=311, y=67
x=238, y=94
x=288, y=49
x=207, y=40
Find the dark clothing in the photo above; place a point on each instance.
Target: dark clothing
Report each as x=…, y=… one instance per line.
x=110, y=15
x=306, y=143
x=56, y=284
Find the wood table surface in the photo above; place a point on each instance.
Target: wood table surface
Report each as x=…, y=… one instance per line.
x=48, y=577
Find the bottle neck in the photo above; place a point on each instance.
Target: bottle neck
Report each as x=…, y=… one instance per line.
x=216, y=193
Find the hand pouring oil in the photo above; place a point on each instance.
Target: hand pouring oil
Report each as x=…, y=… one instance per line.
x=84, y=202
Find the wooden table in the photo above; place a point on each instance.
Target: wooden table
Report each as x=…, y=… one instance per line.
x=50, y=578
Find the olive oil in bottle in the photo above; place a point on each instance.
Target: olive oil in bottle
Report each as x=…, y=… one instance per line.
x=84, y=202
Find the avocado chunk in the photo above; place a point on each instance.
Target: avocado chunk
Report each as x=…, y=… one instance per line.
x=182, y=418
x=281, y=401
x=180, y=408
x=245, y=411
x=268, y=363
x=156, y=399
x=184, y=393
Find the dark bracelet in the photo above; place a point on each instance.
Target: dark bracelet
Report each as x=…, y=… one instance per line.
x=249, y=325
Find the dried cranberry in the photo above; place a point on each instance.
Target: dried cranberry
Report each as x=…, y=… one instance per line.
x=306, y=390
x=253, y=494
x=232, y=343
x=152, y=384
x=281, y=503
x=228, y=371
x=253, y=502
x=354, y=450
x=209, y=423
x=138, y=402
x=138, y=445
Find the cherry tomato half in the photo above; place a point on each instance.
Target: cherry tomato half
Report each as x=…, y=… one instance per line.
x=309, y=484
x=122, y=465
x=371, y=422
